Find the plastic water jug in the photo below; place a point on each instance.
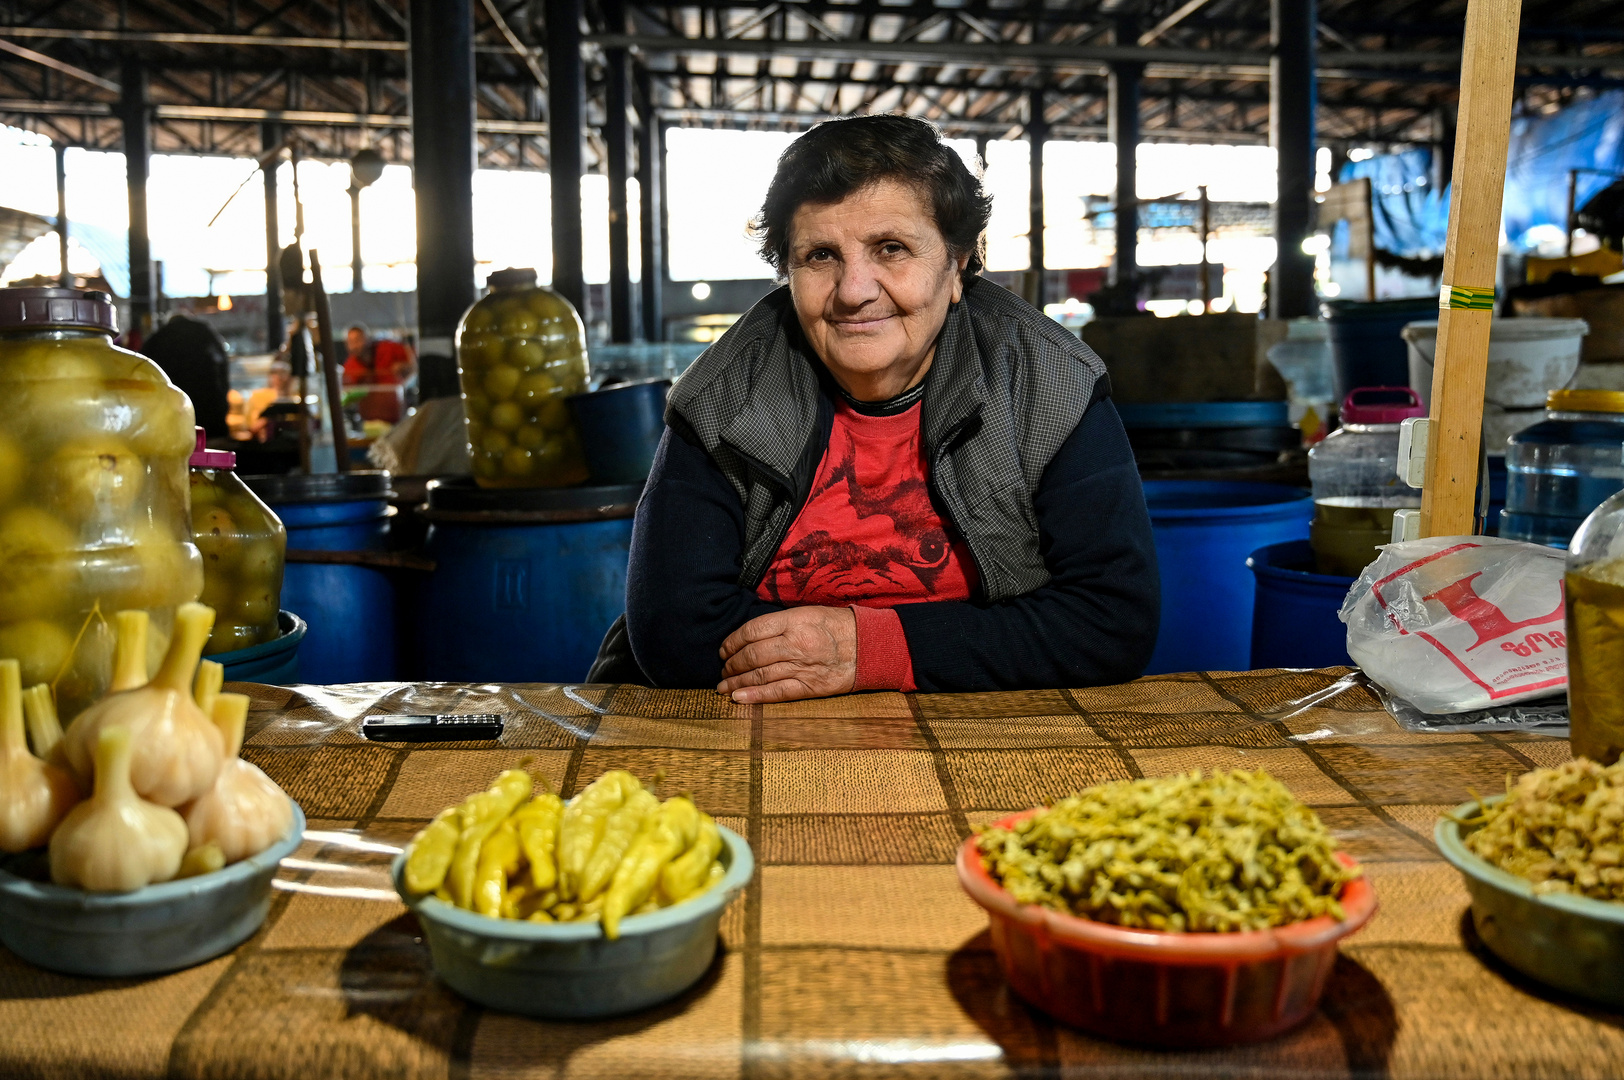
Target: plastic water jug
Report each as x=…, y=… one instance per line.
x=1562, y=468
x=1354, y=473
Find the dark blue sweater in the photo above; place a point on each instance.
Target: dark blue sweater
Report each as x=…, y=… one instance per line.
x=1094, y=622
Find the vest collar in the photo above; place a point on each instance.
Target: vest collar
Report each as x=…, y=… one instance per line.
x=780, y=413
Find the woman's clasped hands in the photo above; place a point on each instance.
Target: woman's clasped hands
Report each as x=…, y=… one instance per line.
x=800, y=652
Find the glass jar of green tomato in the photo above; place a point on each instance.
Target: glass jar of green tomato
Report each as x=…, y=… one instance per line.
x=93, y=448
x=521, y=351
x=244, y=546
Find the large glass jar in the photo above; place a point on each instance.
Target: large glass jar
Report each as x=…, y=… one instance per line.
x=1561, y=469
x=93, y=448
x=1354, y=473
x=521, y=351
x=1595, y=612
x=244, y=547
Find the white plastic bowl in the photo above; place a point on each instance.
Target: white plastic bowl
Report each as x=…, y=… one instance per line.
x=159, y=928
x=570, y=971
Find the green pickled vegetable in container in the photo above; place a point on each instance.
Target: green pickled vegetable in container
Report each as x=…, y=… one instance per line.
x=521, y=351
x=244, y=548
x=94, y=441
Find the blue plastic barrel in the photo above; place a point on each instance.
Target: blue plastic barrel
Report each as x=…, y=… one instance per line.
x=349, y=606
x=274, y=662
x=526, y=581
x=1204, y=532
x=1294, y=620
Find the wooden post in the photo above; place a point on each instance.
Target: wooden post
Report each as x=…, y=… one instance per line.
x=1466, y=303
x=331, y=364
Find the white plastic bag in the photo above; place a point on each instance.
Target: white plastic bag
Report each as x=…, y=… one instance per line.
x=1458, y=623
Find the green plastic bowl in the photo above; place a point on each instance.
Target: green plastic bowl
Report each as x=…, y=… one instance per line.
x=1570, y=942
x=160, y=928
x=570, y=971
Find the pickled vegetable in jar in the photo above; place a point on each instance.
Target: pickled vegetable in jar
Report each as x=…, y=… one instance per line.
x=244, y=547
x=521, y=351
x=93, y=514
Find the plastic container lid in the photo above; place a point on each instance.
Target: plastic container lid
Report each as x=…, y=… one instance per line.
x=1597, y=401
x=321, y=487
x=1354, y=310
x=513, y=277
x=204, y=458
x=1522, y=328
x=1381, y=412
x=1204, y=414
x=67, y=308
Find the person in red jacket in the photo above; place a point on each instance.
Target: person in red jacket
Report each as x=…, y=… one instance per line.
x=376, y=362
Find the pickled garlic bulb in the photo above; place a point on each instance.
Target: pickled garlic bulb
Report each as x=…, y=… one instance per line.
x=177, y=750
x=245, y=812
x=114, y=841
x=34, y=795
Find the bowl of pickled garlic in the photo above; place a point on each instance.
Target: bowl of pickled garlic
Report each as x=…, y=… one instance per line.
x=153, y=929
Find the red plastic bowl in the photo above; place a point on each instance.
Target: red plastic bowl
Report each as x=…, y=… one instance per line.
x=1157, y=988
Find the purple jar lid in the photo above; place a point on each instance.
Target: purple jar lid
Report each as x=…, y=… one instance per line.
x=41, y=308
x=1382, y=411
x=204, y=458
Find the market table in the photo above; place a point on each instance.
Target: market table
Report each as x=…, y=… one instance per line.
x=854, y=953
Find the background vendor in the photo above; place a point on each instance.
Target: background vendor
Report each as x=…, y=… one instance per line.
x=890, y=473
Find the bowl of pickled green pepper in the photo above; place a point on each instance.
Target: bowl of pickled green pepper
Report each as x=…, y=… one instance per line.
x=506, y=945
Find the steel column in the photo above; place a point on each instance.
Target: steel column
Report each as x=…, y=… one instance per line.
x=270, y=137
x=136, y=116
x=1037, y=132
x=651, y=207
x=443, y=162
x=617, y=134
x=1124, y=90
x=63, y=279
x=1292, y=93
x=566, y=154
x=356, y=284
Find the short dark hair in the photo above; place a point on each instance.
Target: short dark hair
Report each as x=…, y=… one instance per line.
x=839, y=157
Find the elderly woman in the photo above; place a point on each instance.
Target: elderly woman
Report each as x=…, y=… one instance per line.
x=889, y=474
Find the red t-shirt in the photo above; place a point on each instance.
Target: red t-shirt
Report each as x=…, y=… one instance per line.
x=869, y=538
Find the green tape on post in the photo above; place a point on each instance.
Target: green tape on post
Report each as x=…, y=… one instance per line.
x=1465, y=298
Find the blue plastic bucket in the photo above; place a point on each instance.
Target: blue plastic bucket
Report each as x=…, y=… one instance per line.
x=526, y=582
x=1204, y=532
x=1294, y=621
x=348, y=606
x=273, y=662
x=1367, y=343
x=620, y=429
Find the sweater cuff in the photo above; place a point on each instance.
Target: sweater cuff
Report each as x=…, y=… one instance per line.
x=883, y=662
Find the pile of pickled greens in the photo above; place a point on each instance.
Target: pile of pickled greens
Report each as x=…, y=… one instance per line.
x=1561, y=828
x=1222, y=852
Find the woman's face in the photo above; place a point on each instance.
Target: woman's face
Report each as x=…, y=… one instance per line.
x=872, y=279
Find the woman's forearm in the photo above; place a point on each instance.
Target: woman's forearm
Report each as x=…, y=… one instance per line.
x=682, y=593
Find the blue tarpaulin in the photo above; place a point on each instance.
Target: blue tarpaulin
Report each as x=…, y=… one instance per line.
x=1587, y=135
x=1412, y=215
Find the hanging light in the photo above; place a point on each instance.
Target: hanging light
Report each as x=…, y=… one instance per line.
x=366, y=167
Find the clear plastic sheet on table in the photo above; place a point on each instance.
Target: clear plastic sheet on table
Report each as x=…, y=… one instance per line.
x=855, y=953
x=1545, y=716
